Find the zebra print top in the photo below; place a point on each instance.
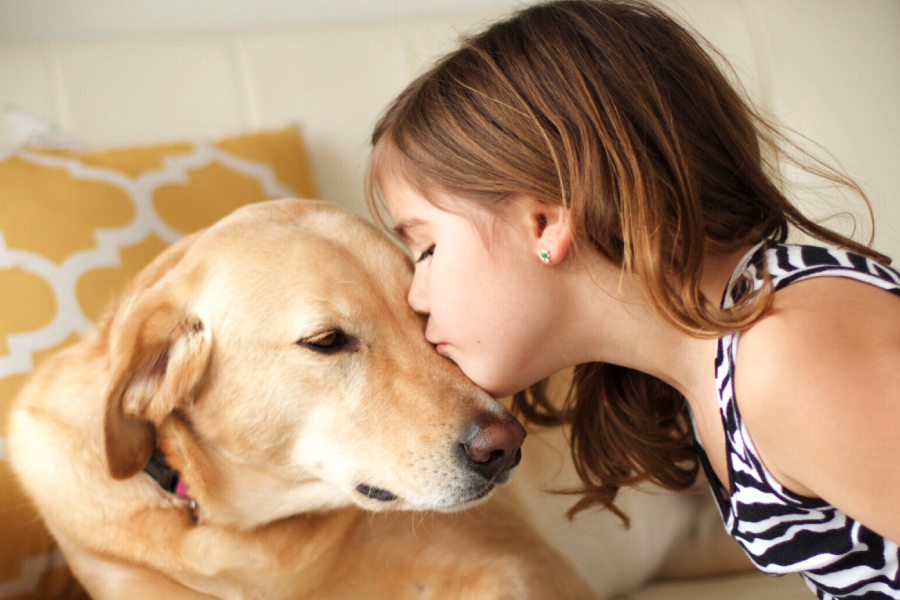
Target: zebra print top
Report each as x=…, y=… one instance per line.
x=783, y=532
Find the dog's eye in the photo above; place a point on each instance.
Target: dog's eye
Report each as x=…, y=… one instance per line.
x=327, y=342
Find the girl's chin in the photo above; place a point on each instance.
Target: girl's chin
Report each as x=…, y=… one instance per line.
x=493, y=389
x=490, y=384
x=500, y=388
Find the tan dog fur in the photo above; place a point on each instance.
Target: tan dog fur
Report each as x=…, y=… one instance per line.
x=200, y=358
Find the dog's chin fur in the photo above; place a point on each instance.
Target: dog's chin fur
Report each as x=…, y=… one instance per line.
x=258, y=498
x=206, y=357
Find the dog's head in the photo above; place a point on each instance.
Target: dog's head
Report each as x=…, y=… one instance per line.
x=276, y=362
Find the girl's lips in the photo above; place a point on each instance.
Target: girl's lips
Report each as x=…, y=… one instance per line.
x=440, y=347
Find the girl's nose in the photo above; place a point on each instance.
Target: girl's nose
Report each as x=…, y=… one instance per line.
x=417, y=297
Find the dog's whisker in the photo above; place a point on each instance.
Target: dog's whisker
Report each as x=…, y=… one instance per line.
x=412, y=523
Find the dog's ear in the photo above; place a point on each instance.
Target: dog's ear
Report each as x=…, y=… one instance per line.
x=159, y=353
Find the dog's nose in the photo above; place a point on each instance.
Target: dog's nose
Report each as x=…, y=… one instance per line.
x=494, y=446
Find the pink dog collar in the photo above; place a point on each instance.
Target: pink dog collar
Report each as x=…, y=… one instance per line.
x=181, y=489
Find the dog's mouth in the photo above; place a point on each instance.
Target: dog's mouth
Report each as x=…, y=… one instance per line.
x=382, y=495
x=375, y=493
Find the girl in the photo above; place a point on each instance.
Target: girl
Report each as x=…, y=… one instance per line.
x=581, y=186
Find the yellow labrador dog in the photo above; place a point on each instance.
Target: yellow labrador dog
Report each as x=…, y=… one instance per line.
x=256, y=417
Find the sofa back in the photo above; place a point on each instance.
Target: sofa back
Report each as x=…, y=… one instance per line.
x=826, y=68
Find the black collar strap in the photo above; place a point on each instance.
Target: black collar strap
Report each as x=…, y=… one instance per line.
x=169, y=479
x=161, y=472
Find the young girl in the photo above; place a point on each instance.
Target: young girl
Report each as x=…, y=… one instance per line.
x=581, y=186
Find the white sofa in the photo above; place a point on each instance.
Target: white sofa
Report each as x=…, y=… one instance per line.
x=824, y=67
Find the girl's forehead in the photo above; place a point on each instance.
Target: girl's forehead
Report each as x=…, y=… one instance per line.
x=405, y=188
x=412, y=199
x=392, y=169
x=403, y=196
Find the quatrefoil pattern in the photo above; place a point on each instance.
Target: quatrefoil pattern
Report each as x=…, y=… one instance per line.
x=74, y=228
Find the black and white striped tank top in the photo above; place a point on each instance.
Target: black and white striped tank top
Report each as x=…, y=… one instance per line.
x=783, y=532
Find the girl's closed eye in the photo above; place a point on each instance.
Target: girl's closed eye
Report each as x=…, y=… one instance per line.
x=426, y=254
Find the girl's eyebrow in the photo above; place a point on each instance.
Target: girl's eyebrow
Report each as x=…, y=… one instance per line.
x=403, y=228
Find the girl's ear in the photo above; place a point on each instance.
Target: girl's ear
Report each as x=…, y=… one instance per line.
x=552, y=232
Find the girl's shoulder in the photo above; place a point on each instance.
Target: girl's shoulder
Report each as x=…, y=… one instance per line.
x=833, y=310
x=818, y=385
x=832, y=327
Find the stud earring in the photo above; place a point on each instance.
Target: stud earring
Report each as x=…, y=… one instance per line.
x=545, y=256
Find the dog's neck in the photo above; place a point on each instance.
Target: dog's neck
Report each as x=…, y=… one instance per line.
x=169, y=479
x=235, y=491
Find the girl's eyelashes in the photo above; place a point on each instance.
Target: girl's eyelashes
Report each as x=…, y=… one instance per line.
x=426, y=254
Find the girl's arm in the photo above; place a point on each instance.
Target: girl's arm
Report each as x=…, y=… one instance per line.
x=818, y=385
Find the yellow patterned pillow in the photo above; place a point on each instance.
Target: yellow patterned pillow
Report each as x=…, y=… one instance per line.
x=74, y=227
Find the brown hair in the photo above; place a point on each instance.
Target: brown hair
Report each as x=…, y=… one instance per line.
x=614, y=110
